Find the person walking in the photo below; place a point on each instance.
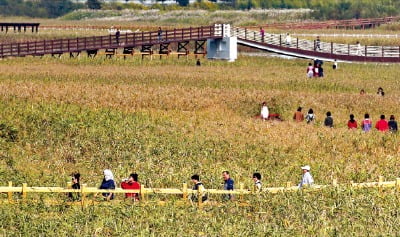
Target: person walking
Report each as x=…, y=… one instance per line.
x=328, y=120
x=133, y=184
x=76, y=177
x=117, y=35
x=306, y=179
x=108, y=183
x=380, y=92
x=310, y=70
x=262, y=34
x=366, y=124
x=257, y=182
x=317, y=44
x=264, y=111
x=310, y=117
x=392, y=124
x=382, y=125
x=335, y=65
x=198, y=186
x=229, y=184
x=288, y=40
x=159, y=34
x=352, y=124
x=298, y=115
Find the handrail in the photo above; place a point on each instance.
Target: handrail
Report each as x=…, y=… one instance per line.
x=58, y=46
x=24, y=189
x=334, y=50
x=333, y=23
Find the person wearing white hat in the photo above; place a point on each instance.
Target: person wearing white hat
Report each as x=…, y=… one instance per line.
x=306, y=179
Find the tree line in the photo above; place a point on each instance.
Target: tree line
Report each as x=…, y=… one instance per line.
x=323, y=9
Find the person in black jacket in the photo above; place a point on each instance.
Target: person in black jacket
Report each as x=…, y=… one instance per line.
x=75, y=185
x=328, y=120
x=392, y=124
x=198, y=186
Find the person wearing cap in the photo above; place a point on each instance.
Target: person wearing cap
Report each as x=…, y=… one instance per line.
x=306, y=179
x=257, y=182
x=108, y=183
x=131, y=183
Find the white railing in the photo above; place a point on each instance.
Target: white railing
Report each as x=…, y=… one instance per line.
x=311, y=45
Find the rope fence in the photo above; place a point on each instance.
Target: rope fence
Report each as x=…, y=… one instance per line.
x=185, y=192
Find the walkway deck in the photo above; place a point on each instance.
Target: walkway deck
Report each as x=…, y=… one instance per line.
x=309, y=49
x=128, y=40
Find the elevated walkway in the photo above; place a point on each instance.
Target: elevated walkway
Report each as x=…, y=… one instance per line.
x=311, y=49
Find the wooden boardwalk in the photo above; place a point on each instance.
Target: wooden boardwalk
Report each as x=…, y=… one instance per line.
x=312, y=49
x=278, y=43
x=363, y=23
x=127, y=41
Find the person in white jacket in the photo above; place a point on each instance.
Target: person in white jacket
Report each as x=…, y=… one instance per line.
x=264, y=111
x=306, y=179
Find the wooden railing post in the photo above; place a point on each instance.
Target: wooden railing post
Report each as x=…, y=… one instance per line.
x=241, y=189
x=331, y=47
x=348, y=49
x=383, y=51
x=334, y=183
x=288, y=184
x=200, y=197
x=19, y=48
x=380, y=183
x=245, y=33
x=297, y=43
x=398, y=184
x=24, y=187
x=83, y=195
x=142, y=193
x=10, y=194
x=185, y=191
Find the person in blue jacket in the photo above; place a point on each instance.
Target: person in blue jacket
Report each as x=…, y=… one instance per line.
x=228, y=184
x=108, y=183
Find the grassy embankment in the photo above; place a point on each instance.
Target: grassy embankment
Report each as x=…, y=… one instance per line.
x=169, y=119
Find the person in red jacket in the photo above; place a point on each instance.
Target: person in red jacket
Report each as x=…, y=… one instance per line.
x=382, y=125
x=352, y=124
x=131, y=183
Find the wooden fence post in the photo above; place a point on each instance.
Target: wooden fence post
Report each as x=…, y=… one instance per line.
x=83, y=195
x=185, y=191
x=200, y=198
x=142, y=193
x=398, y=183
x=24, y=186
x=10, y=194
x=241, y=187
x=380, y=183
x=288, y=184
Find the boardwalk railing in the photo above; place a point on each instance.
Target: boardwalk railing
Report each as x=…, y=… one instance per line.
x=345, y=52
x=185, y=192
x=352, y=23
x=59, y=46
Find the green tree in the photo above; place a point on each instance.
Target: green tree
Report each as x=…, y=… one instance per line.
x=183, y=3
x=94, y=4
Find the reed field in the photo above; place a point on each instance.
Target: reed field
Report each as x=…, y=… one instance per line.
x=168, y=119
